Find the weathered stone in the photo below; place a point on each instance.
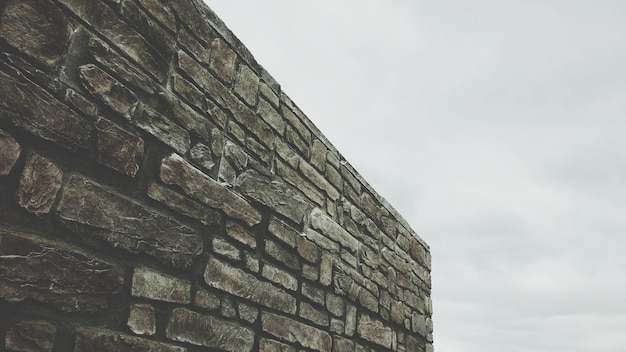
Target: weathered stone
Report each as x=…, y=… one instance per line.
x=31, y=336
x=248, y=313
x=279, y=276
x=318, y=155
x=79, y=101
x=141, y=319
x=271, y=116
x=55, y=273
x=247, y=85
x=322, y=241
x=269, y=94
x=175, y=170
x=206, y=300
x=37, y=28
x=279, y=253
x=236, y=131
x=109, y=90
x=202, y=155
x=266, y=345
x=341, y=344
x=223, y=248
x=287, y=154
x=328, y=227
x=189, y=92
x=163, y=129
x=294, y=120
x=326, y=270
x=349, y=258
x=190, y=16
x=419, y=324
x=411, y=344
x=239, y=283
x=295, y=179
x=334, y=177
x=314, y=314
x=183, y=205
x=273, y=193
x=188, y=117
x=397, y=312
x=320, y=181
x=118, y=149
x=375, y=331
x=252, y=263
x=204, y=330
x=161, y=39
x=259, y=150
x=313, y=293
x=39, y=184
x=308, y=250
x=88, y=208
x=151, y=284
x=295, y=140
x=124, y=69
x=334, y=304
x=10, y=151
x=228, y=308
x=222, y=61
x=310, y=272
x=33, y=109
x=89, y=340
x=350, y=320
x=290, y=330
x=240, y=234
x=103, y=20
x=161, y=11
x=197, y=49
x=283, y=232
x=337, y=326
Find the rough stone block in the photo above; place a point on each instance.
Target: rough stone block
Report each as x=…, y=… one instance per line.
x=318, y=155
x=37, y=28
x=350, y=326
x=275, y=194
x=375, y=331
x=161, y=39
x=225, y=249
x=266, y=345
x=108, y=58
x=314, y=314
x=205, y=330
x=334, y=304
x=240, y=234
x=320, y=181
x=33, y=109
x=141, y=319
x=341, y=344
x=334, y=231
x=228, y=308
x=203, y=156
x=151, y=284
x=295, y=179
x=290, y=330
x=189, y=92
x=248, y=313
x=10, y=151
x=279, y=276
x=239, y=283
x=222, y=61
x=163, y=129
x=183, y=205
x=118, y=149
x=31, y=336
x=39, y=184
x=322, y=241
x=283, y=232
x=88, y=208
x=175, y=170
x=276, y=251
x=247, y=85
x=162, y=12
x=103, y=20
x=313, y=293
x=109, y=90
x=92, y=339
x=207, y=300
x=271, y=116
x=308, y=250
x=55, y=273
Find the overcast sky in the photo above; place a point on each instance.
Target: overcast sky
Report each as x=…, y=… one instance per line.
x=497, y=129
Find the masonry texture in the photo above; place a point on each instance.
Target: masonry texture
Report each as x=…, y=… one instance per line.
x=160, y=192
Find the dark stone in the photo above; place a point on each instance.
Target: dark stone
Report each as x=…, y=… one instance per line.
x=290, y=330
x=54, y=273
x=37, y=28
x=241, y=284
x=90, y=340
x=175, y=170
x=31, y=336
x=208, y=331
x=162, y=40
x=117, y=148
x=202, y=155
x=10, y=151
x=222, y=61
x=183, y=205
x=31, y=108
x=88, y=208
x=39, y=184
x=247, y=85
x=278, y=252
x=161, y=11
x=163, y=129
x=112, y=61
x=104, y=21
x=151, y=284
x=275, y=194
x=141, y=319
x=375, y=331
x=109, y=90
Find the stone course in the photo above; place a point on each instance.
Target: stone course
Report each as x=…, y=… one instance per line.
x=160, y=192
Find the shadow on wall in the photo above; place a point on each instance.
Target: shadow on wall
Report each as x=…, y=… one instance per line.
x=159, y=192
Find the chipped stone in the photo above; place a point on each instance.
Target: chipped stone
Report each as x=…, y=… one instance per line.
x=183, y=205
x=151, y=284
x=141, y=319
x=109, y=90
x=290, y=330
x=39, y=184
x=247, y=85
x=35, y=336
x=279, y=276
x=118, y=149
x=10, y=151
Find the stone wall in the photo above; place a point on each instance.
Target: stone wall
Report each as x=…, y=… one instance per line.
x=159, y=192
